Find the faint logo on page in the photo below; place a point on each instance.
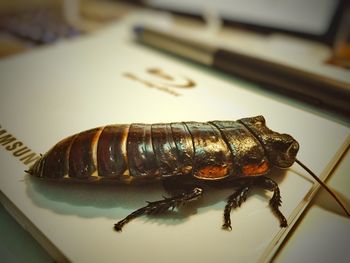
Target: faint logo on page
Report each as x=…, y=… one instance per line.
x=161, y=80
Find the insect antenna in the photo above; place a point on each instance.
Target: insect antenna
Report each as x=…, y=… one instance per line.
x=323, y=185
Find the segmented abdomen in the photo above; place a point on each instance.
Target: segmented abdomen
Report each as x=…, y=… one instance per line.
x=211, y=150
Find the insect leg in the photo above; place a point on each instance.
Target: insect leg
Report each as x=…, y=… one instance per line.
x=161, y=206
x=275, y=201
x=234, y=200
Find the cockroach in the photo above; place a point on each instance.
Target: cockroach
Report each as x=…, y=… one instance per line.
x=239, y=152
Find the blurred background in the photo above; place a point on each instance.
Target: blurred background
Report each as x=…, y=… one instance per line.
x=28, y=24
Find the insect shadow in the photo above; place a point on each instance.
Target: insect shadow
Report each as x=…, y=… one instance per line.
x=116, y=201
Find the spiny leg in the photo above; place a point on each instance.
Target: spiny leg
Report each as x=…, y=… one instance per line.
x=161, y=206
x=275, y=201
x=234, y=200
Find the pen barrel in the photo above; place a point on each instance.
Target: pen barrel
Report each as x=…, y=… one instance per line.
x=175, y=44
x=282, y=78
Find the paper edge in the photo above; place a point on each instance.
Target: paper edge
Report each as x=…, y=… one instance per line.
x=29, y=226
x=277, y=242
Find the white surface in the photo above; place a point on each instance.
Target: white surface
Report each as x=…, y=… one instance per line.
x=51, y=93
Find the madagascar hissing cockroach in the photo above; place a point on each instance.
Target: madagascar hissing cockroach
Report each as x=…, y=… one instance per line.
x=238, y=152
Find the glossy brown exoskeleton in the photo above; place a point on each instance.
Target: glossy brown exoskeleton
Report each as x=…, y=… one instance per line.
x=241, y=151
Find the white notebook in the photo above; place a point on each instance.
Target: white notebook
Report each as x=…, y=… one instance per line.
x=106, y=78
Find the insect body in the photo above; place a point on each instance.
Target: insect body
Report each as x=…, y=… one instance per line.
x=242, y=151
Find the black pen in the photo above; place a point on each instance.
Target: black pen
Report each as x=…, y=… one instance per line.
x=317, y=89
